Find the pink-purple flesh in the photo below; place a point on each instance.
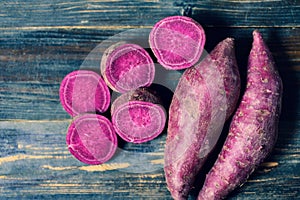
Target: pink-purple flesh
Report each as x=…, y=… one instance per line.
x=177, y=42
x=126, y=67
x=137, y=116
x=84, y=91
x=91, y=139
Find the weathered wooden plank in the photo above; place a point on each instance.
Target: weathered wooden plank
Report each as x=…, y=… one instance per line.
x=32, y=14
x=35, y=163
x=30, y=100
x=40, y=42
x=41, y=146
x=274, y=13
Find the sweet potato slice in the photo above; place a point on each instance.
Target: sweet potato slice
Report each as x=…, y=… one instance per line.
x=138, y=116
x=84, y=91
x=177, y=42
x=91, y=139
x=126, y=66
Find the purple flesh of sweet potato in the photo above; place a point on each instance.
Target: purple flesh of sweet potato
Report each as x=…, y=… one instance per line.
x=126, y=67
x=253, y=130
x=137, y=116
x=177, y=42
x=91, y=139
x=84, y=91
x=205, y=97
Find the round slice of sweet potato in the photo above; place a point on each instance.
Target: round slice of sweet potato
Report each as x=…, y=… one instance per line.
x=177, y=42
x=139, y=121
x=84, y=91
x=126, y=67
x=91, y=139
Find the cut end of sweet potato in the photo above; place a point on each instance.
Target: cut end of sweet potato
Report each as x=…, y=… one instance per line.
x=91, y=139
x=139, y=121
x=127, y=67
x=177, y=42
x=84, y=91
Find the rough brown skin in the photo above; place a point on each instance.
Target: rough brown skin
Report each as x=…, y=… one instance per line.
x=253, y=131
x=205, y=97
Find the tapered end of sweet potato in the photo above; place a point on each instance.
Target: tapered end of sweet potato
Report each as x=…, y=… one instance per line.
x=258, y=44
x=229, y=41
x=223, y=56
x=257, y=38
x=225, y=48
x=260, y=55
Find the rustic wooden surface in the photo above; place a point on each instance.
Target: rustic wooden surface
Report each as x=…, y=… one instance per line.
x=42, y=41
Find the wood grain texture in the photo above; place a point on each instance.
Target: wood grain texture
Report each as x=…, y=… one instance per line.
x=42, y=41
x=21, y=15
x=35, y=163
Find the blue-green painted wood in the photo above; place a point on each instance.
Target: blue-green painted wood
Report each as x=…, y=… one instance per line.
x=40, y=42
x=35, y=163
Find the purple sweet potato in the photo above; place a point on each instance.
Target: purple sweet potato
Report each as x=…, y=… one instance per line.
x=138, y=116
x=126, y=67
x=177, y=42
x=84, y=91
x=253, y=130
x=91, y=139
x=205, y=97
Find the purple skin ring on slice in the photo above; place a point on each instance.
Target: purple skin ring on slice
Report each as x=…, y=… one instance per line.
x=126, y=67
x=84, y=91
x=91, y=139
x=177, y=42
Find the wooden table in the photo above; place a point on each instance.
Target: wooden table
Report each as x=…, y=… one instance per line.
x=42, y=41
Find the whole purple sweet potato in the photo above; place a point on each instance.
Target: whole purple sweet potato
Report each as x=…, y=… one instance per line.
x=253, y=130
x=84, y=91
x=138, y=115
x=126, y=66
x=177, y=42
x=91, y=139
x=205, y=97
